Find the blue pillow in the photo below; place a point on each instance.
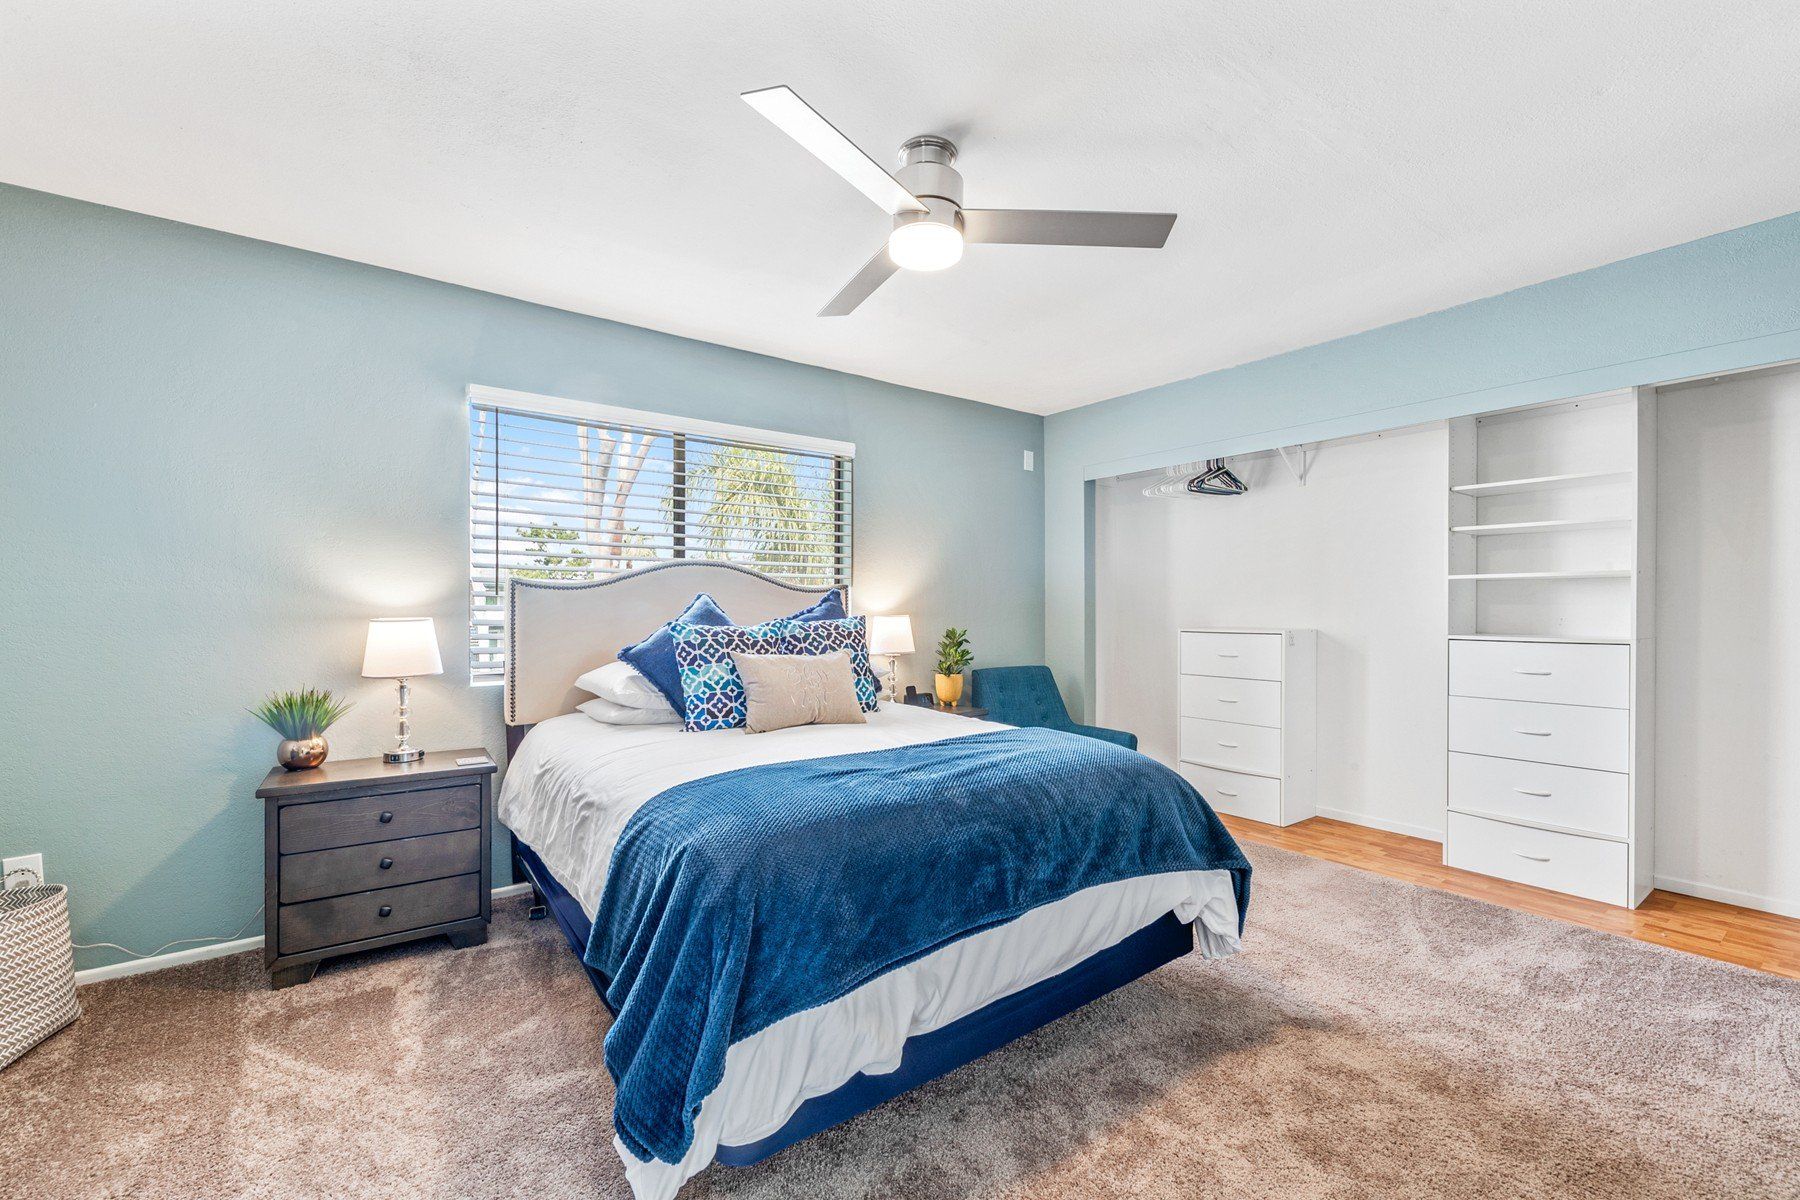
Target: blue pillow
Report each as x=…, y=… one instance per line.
x=830, y=607
x=823, y=637
x=654, y=657
x=709, y=677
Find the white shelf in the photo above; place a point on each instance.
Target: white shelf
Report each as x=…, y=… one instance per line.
x=1539, y=526
x=1544, y=575
x=1540, y=637
x=1538, y=483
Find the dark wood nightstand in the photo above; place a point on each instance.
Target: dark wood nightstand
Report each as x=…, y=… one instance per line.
x=363, y=853
x=961, y=710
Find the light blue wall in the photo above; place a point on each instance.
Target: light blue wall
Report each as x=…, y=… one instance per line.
x=1717, y=304
x=221, y=457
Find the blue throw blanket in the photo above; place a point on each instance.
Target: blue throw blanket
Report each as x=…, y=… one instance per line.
x=742, y=898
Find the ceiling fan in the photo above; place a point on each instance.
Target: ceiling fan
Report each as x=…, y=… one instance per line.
x=925, y=199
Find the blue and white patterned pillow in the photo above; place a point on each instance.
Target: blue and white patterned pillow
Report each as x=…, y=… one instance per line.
x=849, y=633
x=712, y=691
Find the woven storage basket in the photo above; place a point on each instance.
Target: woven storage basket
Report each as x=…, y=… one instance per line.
x=37, y=968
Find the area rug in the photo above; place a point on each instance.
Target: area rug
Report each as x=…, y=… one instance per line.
x=1375, y=1039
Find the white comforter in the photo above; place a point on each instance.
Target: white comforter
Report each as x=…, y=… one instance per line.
x=575, y=783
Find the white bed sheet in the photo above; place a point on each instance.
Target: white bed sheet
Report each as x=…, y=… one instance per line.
x=574, y=784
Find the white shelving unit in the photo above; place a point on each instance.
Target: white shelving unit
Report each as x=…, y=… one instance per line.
x=1550, y=588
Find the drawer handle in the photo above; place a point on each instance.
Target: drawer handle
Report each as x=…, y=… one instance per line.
x=1529, y=792
x=385, y=863
x=1223, y=792
x=1533, y=857
x=387, y=910
x=1225, y=700
x=1227, y=653
x=1519, y=671
x=1229, y=745
x=1533, y=732
x=386, y=817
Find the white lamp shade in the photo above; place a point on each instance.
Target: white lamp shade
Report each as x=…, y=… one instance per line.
x=890, y=635
x=401, y=648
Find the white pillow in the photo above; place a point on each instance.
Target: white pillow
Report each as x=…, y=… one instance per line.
x=608, y=713
x=625, y=686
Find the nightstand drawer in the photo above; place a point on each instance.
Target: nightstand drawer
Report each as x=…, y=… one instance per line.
x=320, y=873
x=379, y=818
x=344, y=919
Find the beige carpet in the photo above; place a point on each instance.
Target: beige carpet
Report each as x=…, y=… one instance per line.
x=1375, y=1039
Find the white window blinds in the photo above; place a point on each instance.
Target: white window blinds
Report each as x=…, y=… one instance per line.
x=565, y=496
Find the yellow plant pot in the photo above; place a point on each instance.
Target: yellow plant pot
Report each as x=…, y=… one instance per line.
x=949, y=690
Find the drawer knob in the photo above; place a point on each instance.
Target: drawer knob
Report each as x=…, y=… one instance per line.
x=386, y=817
x=1529, y=792
x=385, y=863
x=386, y=910
x=1533, y=857
x=1521, y=671
x=1533, y=732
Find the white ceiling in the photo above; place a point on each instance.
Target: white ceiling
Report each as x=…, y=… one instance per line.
x=1336, y=166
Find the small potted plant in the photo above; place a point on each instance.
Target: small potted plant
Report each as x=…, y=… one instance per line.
x=953, y=658
x=301, y=718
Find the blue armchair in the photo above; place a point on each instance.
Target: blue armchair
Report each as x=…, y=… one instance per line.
x=1028, y=696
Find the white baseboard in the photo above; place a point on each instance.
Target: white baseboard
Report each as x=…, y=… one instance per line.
x=176, y=958
x=162, y=962
x=1707, y=891
x=1429, y=833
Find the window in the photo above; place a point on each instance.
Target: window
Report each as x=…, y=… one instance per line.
x=564, y=490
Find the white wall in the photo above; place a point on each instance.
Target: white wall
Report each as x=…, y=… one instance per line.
x=1728, y=642
x=1358, y=554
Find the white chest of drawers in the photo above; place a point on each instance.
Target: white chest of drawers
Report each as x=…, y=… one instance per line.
x=1246, y=736
x=1543, y=780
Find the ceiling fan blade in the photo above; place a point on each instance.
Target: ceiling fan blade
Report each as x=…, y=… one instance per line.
x=1051, y=227
x=874, y=273
x=800, y=121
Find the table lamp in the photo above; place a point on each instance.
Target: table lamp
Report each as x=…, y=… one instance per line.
x=890, y=637
x=402, y=648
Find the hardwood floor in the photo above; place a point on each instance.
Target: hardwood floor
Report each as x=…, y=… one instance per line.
x=1722, y=931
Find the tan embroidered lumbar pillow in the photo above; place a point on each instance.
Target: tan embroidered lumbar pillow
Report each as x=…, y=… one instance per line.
x=784, y=690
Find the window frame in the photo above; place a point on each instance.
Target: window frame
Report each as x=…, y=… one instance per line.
x=677, y=428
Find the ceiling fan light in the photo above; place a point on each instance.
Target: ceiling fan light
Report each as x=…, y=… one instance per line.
x=925, y=246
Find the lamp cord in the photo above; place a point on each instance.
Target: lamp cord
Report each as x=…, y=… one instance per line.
x=177, y=942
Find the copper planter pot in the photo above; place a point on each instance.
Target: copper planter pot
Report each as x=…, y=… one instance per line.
x=302, y=754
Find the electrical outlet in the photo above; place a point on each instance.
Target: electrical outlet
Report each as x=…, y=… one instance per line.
x=1030, y=461
x=24, y=862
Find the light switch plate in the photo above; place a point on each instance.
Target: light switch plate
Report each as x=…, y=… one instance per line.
x=1030, y=460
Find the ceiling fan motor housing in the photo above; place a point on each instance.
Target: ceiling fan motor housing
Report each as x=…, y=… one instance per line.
x=926, y=172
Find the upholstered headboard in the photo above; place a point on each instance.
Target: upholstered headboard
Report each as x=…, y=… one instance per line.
x=558, y=631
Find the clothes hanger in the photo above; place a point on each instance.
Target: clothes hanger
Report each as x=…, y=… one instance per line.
x=1217, y=480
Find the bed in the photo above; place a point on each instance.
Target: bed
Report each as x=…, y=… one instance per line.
x=574, y=788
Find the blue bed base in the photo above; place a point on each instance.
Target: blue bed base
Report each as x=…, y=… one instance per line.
x=926, y=1055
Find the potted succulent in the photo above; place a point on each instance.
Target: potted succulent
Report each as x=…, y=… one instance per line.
x=301, y=718
x=953, y=658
